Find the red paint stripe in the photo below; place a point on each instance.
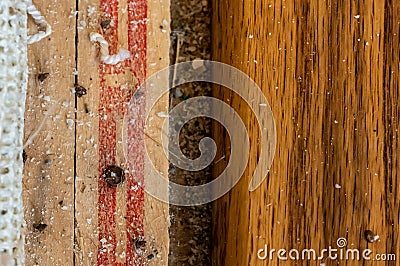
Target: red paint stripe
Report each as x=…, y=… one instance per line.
x=137, y=12
x=113, y=102
x=107, y=195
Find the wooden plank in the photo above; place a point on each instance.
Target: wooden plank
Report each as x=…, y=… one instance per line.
x=87, y=140
x=156, y=220
x=330, y=71
x=113, y=223
x=48, y=185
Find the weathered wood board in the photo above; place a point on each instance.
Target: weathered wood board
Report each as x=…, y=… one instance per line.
x=48, y=183
x=330, y=71
x=89, y=222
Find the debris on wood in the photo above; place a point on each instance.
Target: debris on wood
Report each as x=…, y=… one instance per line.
x=104, y=24
x=79, y=90
x=190, y=231
x=40, y=227
x=43, y=76
x=370, y=236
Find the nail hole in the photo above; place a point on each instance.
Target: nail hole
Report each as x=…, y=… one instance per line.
x=43, y=76
x=40, y=227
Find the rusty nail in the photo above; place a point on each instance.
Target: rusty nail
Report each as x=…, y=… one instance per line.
x=114, y=175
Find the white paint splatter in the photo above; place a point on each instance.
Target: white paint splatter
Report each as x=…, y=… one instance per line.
x=162, y=114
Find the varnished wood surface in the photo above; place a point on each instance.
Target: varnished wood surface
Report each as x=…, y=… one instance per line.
x=330, y=71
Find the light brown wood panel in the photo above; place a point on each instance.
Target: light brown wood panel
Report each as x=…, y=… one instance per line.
x=62, y=169
x=48, y=184
x=330, y=71
x=123, y=81
x=87, y=154
x=157, y=220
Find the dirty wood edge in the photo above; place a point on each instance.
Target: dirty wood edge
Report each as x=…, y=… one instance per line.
x=49, y=167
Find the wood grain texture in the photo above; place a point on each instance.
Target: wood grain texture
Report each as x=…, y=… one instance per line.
x=88, y=222
x=87, y=138
x=124, y=215
x=48, y=188
x=330, y=71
